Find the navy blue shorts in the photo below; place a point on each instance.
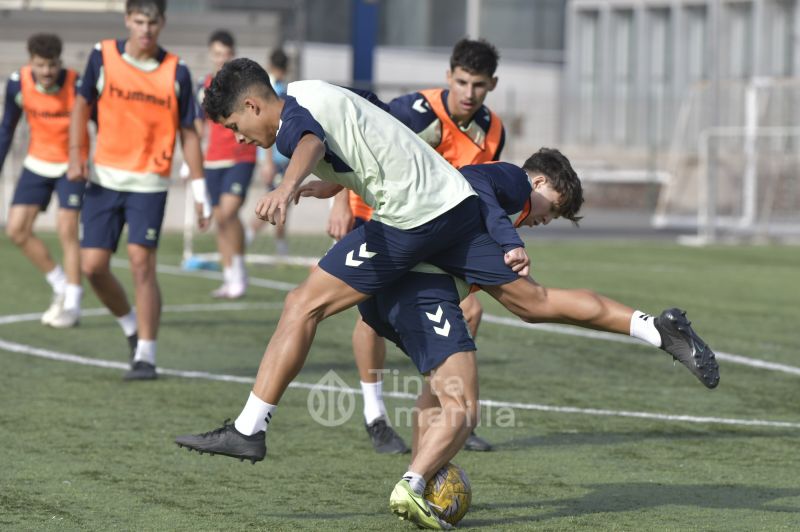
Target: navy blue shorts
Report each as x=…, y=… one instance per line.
x=374, y=256
x=34, y=189
x=105, y=212
x=422, y=316
x=229, y=180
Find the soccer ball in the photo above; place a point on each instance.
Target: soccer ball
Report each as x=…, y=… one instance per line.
x=449, y=493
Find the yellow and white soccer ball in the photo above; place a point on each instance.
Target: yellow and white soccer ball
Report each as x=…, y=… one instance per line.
x=449, y=493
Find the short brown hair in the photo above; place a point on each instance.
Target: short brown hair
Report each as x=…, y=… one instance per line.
x=45, y=45
x=552, y=164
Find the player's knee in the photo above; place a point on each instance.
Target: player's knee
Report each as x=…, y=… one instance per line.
x=68, y=232
x=18, y=235
x=93, y=271
x=300, y=304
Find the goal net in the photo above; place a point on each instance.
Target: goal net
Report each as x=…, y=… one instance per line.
x=739, y=180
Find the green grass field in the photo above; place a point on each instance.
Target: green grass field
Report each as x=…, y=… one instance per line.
x=81, y=450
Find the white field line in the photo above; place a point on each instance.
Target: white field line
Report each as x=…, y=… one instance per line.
x=49, y=354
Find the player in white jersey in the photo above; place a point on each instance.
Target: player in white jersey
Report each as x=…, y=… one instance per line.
x=424, y=211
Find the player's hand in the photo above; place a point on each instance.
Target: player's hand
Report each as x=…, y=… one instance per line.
x=203, y=217
x=318, y=189
x=518, y=261
x=273, y=205
x=77, y=171
x=340, y=221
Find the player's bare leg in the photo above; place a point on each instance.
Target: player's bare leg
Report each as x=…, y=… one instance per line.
x=148, y=304
x=321, y=295
x=427, y=404
x=440, y=432
x=70, y=245
x=69, y=313
x=369, y=350
x=96, y=266
x=535, y=303
x=20, y=230
x=673, y=332
x=231, y=245
x=473, y=313
x=444, y=431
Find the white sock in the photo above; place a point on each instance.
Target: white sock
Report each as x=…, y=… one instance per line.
x=238, y=270
x=72, y=297
x=56, y=279
x=255, y=416
x=145, y=351
x=416, y=482
x=373, y=400
x=643, y=327
x=128, y=322
x=227, y=275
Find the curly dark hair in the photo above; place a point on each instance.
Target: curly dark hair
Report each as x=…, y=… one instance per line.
x=231, y=83
x=552, y=164
x=476, y=57
x=45, y=45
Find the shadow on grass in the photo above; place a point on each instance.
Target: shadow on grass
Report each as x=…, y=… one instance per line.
x=607, y=498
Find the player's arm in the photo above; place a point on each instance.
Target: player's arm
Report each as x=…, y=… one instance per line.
x=78, y=168
x=498, y=223
x=190, y=144
x=309, y=151
x=11, y=115
x=340, y=221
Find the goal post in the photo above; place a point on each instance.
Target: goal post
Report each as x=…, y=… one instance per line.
x=738, y=180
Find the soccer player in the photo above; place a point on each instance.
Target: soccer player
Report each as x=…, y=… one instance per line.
x=425, y=211
x=456, y=124
x=416, y=311
x=44, y=92
x=274, y=163
x=228, y=168
x=144, y=99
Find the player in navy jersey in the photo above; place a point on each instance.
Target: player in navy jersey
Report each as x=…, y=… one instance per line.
x=44, y=92
x=424, y=211
x=422, y=316
x=455, y=122
x=144, y=98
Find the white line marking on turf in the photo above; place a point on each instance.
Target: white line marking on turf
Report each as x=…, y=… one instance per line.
x=510, y=322
x=85, y=361
x=571, y=330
